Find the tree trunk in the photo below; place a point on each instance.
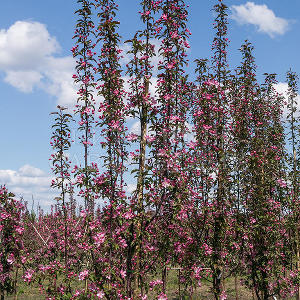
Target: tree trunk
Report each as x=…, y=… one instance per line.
x=298, y=269
x=15, y=285
x=140, y=188
x=223, y=283
x=236, y=288
x=217, y=282
x=179, y=291
x=253, y=294
x=164, y=279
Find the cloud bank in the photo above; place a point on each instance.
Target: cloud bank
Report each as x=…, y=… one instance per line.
x=29, y=182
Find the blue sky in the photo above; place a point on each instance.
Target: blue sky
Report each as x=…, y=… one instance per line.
x=36, y=68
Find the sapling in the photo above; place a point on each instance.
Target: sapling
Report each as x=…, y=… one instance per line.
x=294, y=169
x=61, y=143
x=84, y=53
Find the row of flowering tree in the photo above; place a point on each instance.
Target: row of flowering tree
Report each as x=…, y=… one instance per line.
x=214, y=165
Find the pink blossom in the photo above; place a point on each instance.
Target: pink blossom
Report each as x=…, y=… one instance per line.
x=212, y=82
x=100, y=294
x=161, y=152
x=192, y=144
x=150, y=138
x=162, y=296
x=223, y=296
x=168, y=97
x=174, y=118
x=11, y=258
x=207, y=127
x=19, y=229
x=83, y=275
x=28, y=275
x=164, y=17
x=122, y=243
x=123, y=273
x=132, y=137
x=281, y=182
x=166, y=183
x=174, y=35
x=115, y=124
x=128, y=215
x=99, y=238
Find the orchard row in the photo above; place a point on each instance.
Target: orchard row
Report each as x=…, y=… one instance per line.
x=214, y=165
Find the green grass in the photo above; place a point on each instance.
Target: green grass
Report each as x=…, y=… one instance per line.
x=204, y=292
x=32, y=292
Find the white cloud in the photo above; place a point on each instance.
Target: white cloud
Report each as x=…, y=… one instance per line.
x=282, y=88
x=153, y=87
x=25, y=45
x=136, y=128
x=27, y=59
x=23, y=80
x=261, y=16
x=28, y=182
x=190, y=134
x=130, y=188
x=30, y=171
x=60, y=83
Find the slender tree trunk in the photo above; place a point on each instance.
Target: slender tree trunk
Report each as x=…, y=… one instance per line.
x=298, y=266
x=217, y=268
x=236, y=288
x=265, y=292
x=164, y=279
x=130, y=273
x=295, y=189
x=217, y=282
x=15, y=285
x=140, y=185
x=253, y=294
x=223, y=282
x=179, y=291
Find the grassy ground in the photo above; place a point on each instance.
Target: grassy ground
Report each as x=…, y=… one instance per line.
x=32, y=292
x=203, y=292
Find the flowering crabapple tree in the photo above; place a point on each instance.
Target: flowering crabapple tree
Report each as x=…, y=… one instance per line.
x=11, y=230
